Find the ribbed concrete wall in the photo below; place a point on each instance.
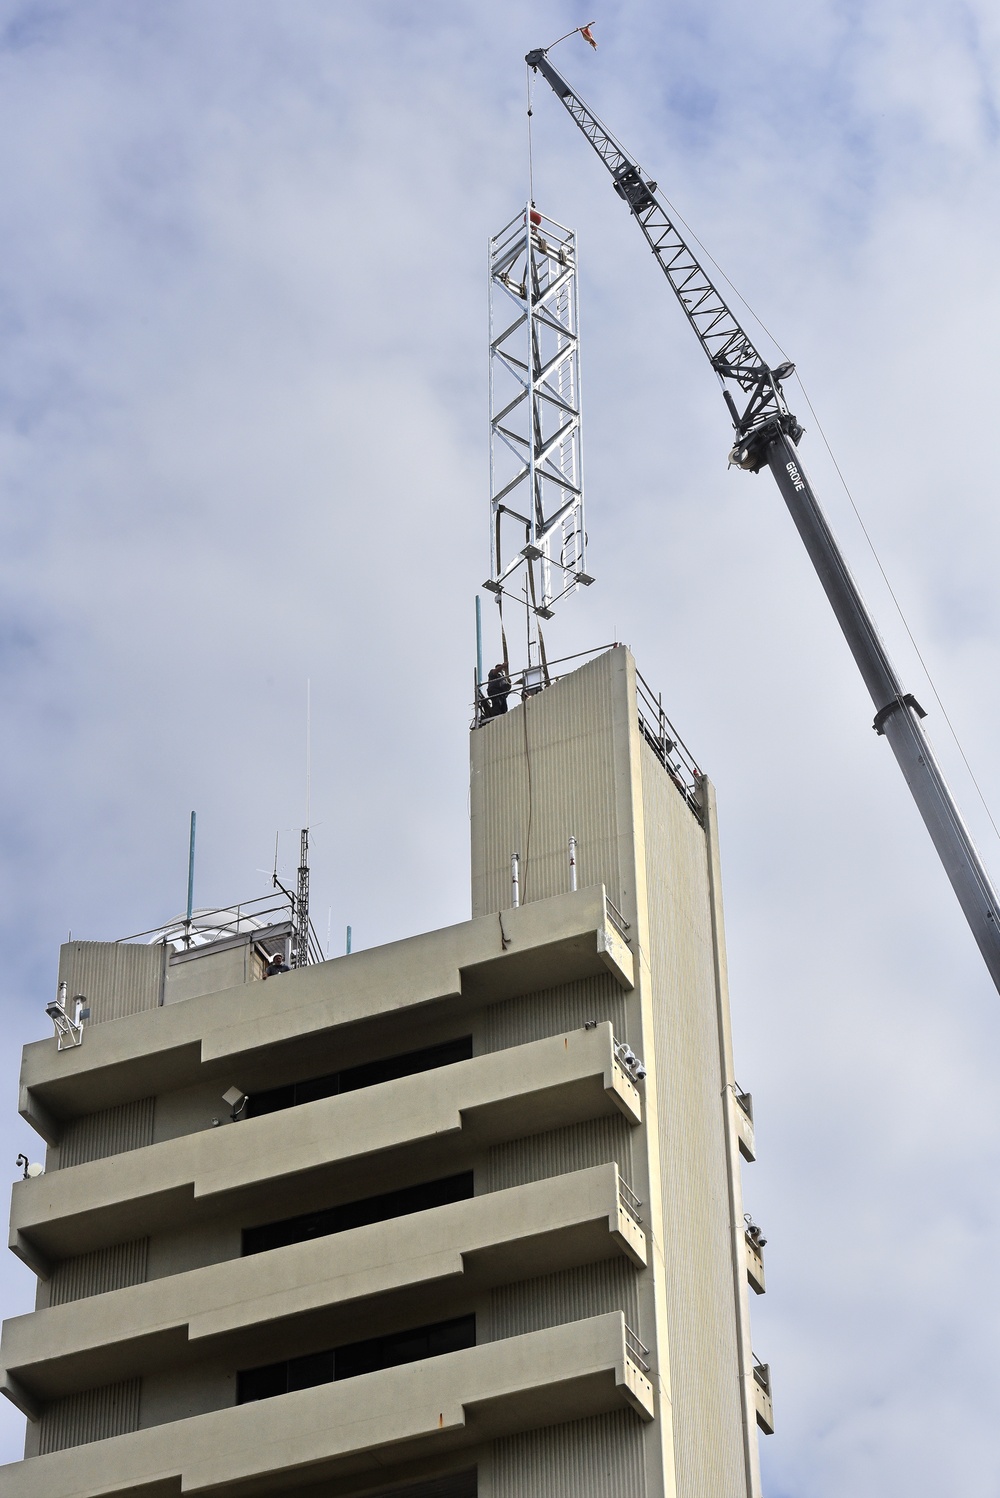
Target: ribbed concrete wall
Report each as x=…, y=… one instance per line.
x=596, y=1142
x=704, y=1355
x=113, y=1268
x=558, y=766
x=571, y=761
x=114, y=1131
x=535, y=1016
x=554, y=1011
x=93, y=1416
x=570, y=1295
x=602, y=1456
x=554, y=767
x=116, y=978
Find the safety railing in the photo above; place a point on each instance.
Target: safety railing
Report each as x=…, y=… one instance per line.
x=242, y=919
x=762, y=1374
x=637, y=1351
x=668, y=746
x=529, y=682
x=745, y=1100
x=619, y=922
x=654, y=725
x=630, y=1202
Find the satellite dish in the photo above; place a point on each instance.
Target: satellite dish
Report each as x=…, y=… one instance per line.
x=33, y=1171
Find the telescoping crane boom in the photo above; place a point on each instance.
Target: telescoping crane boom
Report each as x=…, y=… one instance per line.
x=767, y=435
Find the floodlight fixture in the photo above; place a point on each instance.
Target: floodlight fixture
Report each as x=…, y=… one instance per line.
x=630, y=1061
x=69, y=1031
x=235, y=1101
x=753, y=1231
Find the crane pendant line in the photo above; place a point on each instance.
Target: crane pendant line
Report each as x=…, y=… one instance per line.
x=766, y=436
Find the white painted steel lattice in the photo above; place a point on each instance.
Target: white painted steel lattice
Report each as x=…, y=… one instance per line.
x=536, y=458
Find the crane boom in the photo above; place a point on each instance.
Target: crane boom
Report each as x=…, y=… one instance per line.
x=766, y=435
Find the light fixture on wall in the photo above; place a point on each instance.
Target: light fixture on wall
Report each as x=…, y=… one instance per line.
x=235, y=1101
x=630, y=1061
x=69, y=1029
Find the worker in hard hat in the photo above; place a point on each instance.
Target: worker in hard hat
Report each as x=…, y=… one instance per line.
x=276, y=964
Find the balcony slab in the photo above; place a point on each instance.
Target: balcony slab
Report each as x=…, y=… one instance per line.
x=422, y=1409
x=254, y=1309
x=260, y=1029
x=334, y=1144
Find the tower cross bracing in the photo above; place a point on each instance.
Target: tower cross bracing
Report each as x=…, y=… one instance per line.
x=538, y=538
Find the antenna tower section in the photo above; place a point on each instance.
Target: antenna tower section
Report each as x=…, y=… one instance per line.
x=538, y=538
x=300, y=950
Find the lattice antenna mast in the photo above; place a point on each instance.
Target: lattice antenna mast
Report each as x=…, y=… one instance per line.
x=300, y=952
x=538, y=539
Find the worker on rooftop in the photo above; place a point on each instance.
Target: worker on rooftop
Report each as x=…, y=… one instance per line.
x=498, y=689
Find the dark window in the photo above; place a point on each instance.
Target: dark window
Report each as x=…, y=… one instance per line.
x=455, y=1485
x=354, y=1077
x=338, y=1219
x=395, y=1348
x=261, y=1383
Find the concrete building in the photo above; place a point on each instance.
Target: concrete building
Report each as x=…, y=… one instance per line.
x=454, y=1243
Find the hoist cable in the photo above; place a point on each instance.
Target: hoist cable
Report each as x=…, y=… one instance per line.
x=896, y=604
x=531, y=169
x=854, y=506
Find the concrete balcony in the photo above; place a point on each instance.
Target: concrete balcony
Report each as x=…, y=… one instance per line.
x=755, y=1264
x=763, y=1403
x=741, y=1105
x=356, y=1427
x=345, y=1147
x=261, y=1034
x=261, y=1308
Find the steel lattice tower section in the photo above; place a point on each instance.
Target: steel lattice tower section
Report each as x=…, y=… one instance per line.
x=538, y=538
x=300, y=954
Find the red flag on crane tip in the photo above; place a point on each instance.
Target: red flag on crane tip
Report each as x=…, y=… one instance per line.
x=588, y=36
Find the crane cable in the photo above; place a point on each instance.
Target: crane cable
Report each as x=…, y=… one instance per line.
x=857, y=513
x=531, y=169
x=898, y=607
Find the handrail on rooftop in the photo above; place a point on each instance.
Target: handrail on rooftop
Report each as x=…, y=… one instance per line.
x=654, y=725
x=534, y=679
x=226, y=921
x=667, y=744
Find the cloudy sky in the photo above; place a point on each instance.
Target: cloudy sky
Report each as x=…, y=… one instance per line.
x=243, y=446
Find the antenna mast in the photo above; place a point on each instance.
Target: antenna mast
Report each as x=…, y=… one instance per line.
x=538, y=540
x=300, y=953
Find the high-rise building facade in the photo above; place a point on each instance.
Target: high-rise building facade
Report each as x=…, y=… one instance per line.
x=469, y=1220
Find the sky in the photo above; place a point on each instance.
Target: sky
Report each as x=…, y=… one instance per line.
x=243, y=447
